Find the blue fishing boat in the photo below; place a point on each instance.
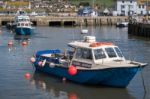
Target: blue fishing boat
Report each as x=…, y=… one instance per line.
x=20, y=16
x=88, y=62
x=22, y=23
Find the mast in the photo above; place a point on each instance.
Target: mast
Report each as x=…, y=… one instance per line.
x=92, y=18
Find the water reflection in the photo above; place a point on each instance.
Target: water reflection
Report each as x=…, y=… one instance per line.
x=68, y=90
x=22, y=37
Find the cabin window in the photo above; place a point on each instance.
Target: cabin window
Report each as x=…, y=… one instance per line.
x=83, y=53
x=26, y=24
x=118, y=52
x=111, y=53
x=99, y=54
x=18, y=24
x=22, y=24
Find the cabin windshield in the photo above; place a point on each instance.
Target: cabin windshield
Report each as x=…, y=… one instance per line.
x=110, y=52
x=99, y=54
x=83, y=53
x=118, y=52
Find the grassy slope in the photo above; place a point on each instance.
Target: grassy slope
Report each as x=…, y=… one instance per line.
x=103, y=3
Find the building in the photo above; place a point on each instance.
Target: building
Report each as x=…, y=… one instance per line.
x=1, y=4
x=141, y=9
x=126, y=7
x=144, y=2
x=130, y=7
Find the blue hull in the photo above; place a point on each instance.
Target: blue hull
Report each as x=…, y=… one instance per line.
x=23, y=31
x=115, y=77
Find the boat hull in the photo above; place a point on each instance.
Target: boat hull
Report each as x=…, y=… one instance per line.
x=123, y=24
x=84, y=31
x=114, y=77
x=23, y=31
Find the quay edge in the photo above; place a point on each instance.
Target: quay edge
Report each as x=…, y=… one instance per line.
x=68, y=20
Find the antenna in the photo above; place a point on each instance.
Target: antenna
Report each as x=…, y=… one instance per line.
x=92, y=23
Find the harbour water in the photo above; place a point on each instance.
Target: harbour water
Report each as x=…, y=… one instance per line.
x=15, y=63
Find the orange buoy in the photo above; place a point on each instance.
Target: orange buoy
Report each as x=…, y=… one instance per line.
x=40, y=63
x=24, y=43
x=10, y=43
x=72, y=96
x=32, y=59
x=27, y=75
x=72, y=70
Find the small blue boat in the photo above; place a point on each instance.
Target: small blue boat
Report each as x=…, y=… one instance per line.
x=88, y=62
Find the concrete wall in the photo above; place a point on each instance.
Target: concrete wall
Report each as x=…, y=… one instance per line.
x=45, y=21
x=139, y=29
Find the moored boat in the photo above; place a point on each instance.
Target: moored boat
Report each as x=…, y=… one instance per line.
x=24, y=28
x=20, y=16
x=84, y=31
x=89, y=62
x=122, y=24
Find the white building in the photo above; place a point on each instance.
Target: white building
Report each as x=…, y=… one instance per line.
x=130, y=7
x=141, y=10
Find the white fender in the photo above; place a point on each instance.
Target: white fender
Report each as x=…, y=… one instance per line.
x=51, y=65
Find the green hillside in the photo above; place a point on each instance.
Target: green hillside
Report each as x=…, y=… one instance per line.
x=100, y=3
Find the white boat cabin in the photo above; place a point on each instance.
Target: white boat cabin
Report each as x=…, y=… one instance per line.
x=24, y=24
x=21, y=18
x=91, y=52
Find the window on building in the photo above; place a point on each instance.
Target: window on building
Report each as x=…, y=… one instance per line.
x=130, y=6
x=122, y=6
x=142, y=6
x=122, y=12
x=141, y=12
